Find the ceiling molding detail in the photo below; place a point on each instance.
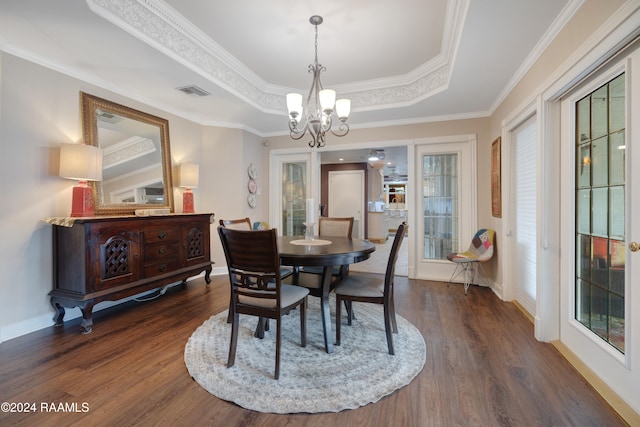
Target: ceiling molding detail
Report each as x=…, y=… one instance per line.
x=157, y=24
x=127, y=150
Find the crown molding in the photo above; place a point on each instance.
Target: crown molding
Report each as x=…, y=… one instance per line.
x=160, y=26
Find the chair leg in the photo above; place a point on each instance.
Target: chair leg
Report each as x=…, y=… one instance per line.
x=392, y=313
x=352, y=314
x=388, y=327
x=234, y=340
x=278, y=336
x=469, y=274
x=230, y=315
x=303, y=323
x=338, y=322
x=455, y=272
x=260, y=328
x=349, y=311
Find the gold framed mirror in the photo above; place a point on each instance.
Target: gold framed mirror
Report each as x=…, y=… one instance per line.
x=136, y=157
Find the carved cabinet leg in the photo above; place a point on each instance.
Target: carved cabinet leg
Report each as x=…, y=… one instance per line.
x=58, y=318
x=87, y=318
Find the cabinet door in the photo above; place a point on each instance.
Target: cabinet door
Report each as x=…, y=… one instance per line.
x=114, y=257
x=195, y=241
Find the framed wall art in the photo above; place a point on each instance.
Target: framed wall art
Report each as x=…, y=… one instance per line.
x=496, y=184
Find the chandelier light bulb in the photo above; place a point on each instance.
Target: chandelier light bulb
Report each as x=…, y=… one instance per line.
x=294, y=104
x=327, y=100
x=343, y=108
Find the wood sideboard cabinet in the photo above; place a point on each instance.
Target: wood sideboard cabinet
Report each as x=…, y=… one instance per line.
x=110, y=258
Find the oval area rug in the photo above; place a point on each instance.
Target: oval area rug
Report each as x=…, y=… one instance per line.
x=359, y=371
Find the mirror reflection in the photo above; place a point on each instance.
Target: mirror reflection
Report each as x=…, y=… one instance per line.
x=137, y=161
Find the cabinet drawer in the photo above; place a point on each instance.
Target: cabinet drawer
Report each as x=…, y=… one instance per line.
x=161, y=234
x=161, y=251
x=161, y=267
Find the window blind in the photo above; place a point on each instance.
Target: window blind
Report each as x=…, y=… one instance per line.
x=523, y=208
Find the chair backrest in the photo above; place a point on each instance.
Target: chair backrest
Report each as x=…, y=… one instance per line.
x=338, y=227
x=393, y=256
x=254, y=264
x=482, y=244
x=237, y=224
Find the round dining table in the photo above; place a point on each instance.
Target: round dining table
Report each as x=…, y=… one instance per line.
x=326, y=252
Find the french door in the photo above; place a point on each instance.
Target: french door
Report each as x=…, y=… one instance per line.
x=445, y=204
x=600, y=310
x=293, y=180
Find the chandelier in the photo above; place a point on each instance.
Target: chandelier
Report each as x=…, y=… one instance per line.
x=319, y=107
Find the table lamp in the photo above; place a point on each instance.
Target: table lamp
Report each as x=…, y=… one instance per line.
x=83, y=163
x=188, y=179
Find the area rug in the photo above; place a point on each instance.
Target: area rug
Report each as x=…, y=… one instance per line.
x=359, y=371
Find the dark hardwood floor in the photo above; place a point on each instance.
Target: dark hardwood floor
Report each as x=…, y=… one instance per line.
x=483, y=368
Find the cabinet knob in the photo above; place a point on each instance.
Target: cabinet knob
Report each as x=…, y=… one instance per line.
x=163, y=268
x=163, y=250
x=162, y=236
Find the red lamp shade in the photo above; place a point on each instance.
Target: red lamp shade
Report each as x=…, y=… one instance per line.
x=83, y=163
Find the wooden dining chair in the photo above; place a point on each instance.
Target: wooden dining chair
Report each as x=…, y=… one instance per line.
x=338, y=227
x=332, y=226
x=376, y=290
x=245, y=224
x=256, y=285
x=237, y=224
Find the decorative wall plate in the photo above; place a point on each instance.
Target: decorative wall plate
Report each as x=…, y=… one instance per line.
x=251, y=170
x=252, y=186
x=251, y=200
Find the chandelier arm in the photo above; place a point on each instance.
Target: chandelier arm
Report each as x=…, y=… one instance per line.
x=329, y=122
x=342, y=130
x=318, y=140
x=315, y=141
x=294, y=132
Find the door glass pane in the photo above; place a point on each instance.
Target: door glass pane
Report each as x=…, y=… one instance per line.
x=599, y=118
x=583, y=111
x=616, y=104
x=440, y=205
x=600, y=212
x=294, y=196
x=583, y=214
x=583, y=166
x=616, y=212
x=600, y=162
x=616, y=158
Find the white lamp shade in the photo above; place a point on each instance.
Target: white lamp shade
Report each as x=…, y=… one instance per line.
x=81, y=162
x=189, y=175
x=327, y=99
x=294, y=103
x=343, y=108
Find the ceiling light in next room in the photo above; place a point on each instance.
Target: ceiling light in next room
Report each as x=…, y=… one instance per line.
x=375, y=155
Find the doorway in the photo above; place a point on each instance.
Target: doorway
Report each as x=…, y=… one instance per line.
x=445, y=208
x=346, y=197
